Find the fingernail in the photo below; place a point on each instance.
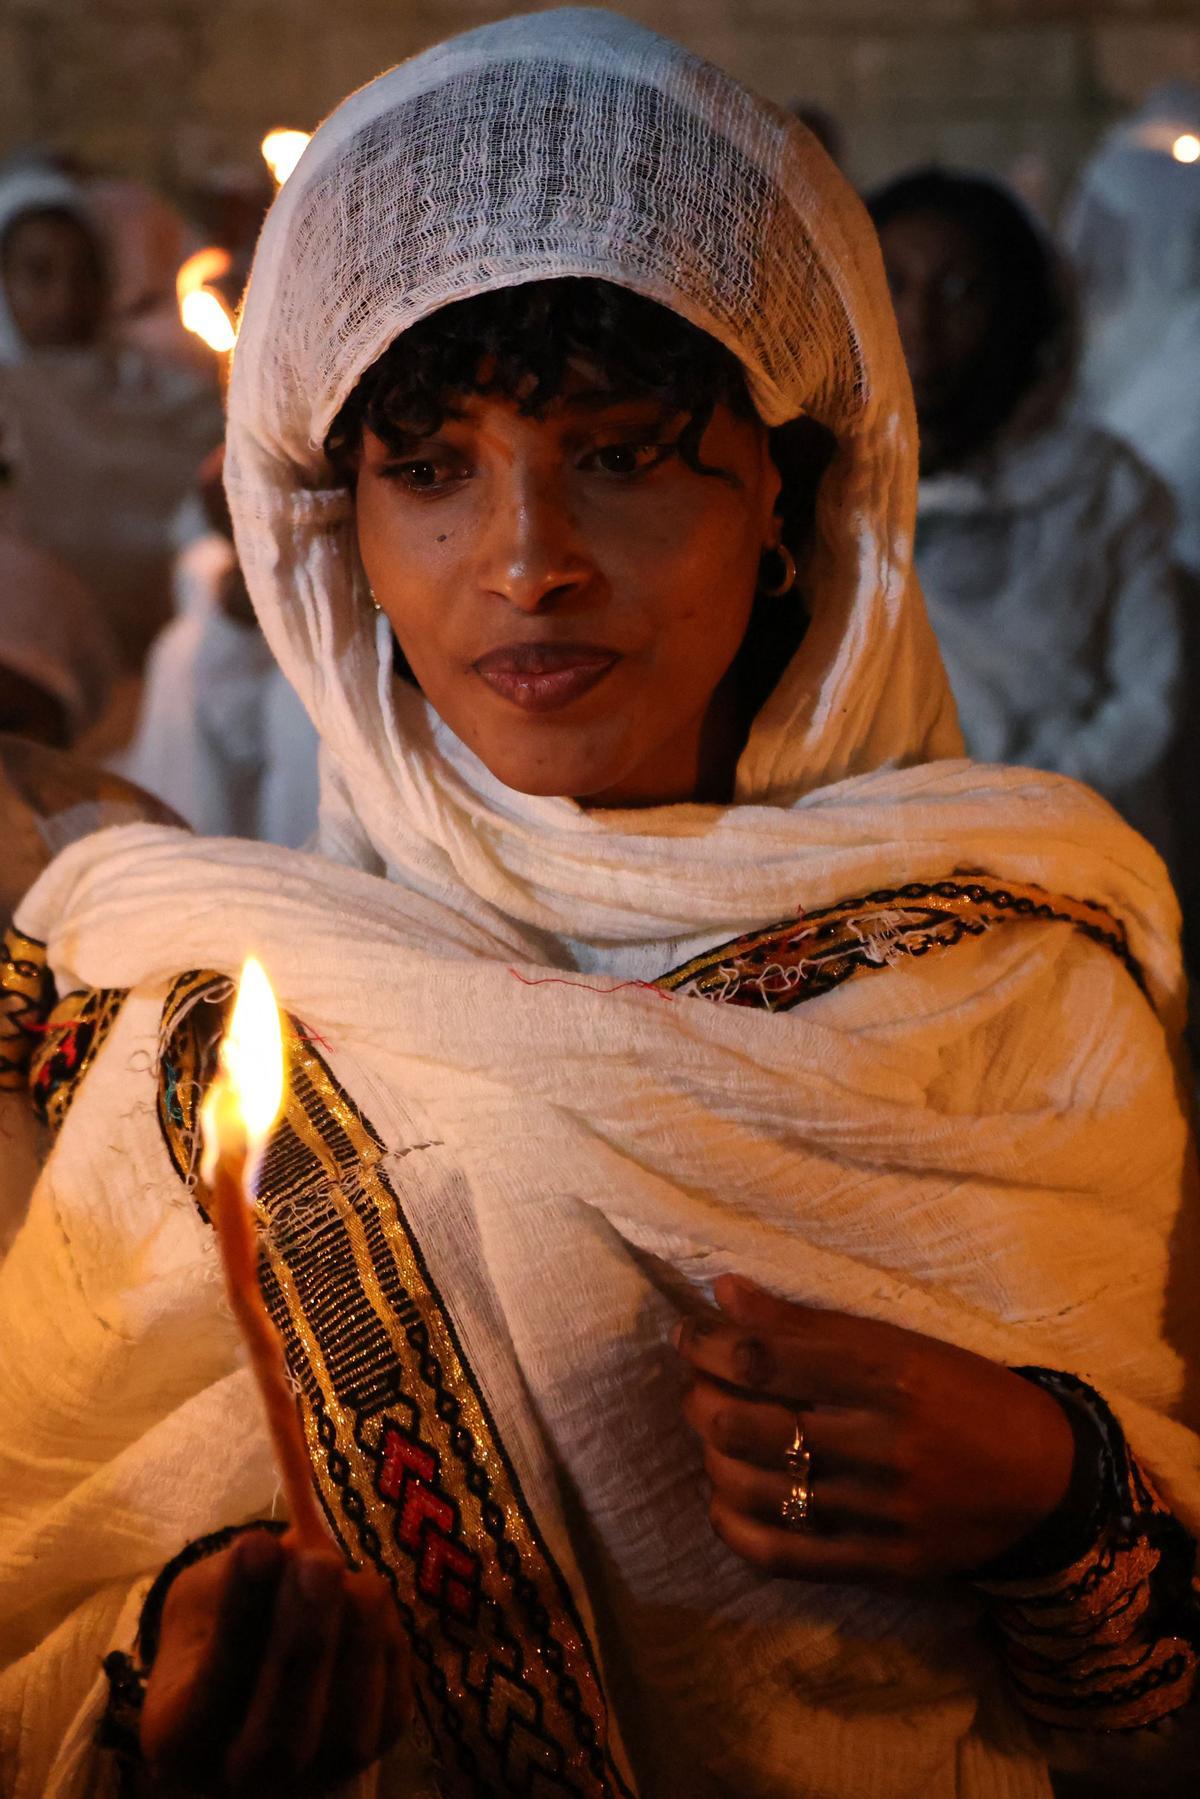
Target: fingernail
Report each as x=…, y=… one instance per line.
x=317, y=1578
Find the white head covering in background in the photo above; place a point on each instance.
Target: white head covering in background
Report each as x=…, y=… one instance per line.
x=1134, y=228
x=27, y=187
x=52, y=631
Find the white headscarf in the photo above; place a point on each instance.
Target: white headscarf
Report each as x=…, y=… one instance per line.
x=487, y=162
x=25, y=188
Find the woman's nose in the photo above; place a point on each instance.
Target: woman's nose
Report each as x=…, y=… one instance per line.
x=533, y=556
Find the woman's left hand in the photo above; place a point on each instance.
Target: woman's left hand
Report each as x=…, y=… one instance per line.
x=926, y=1460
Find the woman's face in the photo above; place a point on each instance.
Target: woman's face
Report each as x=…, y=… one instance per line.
x=567, y=591
x=52, y=281
x=942, y=294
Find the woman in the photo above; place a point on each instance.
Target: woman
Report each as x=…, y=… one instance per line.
x=103, y=440
x=523, y=353
x=1043, y=545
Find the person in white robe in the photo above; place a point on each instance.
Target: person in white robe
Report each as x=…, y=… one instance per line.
x=222, y=737
x=1044, y=545
x=656, y=933
x=102, y=440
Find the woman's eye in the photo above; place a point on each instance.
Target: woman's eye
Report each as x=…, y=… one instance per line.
x=628, y=459
x=421, y=474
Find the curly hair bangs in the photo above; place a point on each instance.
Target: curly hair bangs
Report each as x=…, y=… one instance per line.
x=521, y=344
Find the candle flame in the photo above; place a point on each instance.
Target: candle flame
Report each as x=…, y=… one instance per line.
x=282, y=150
x=202, y=310
x=244, y=1099
x=205, y=316
x=1186, y=147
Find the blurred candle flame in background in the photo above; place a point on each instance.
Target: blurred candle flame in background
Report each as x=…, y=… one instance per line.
x=202, y=310
x=1186, y=147
x=282, y=150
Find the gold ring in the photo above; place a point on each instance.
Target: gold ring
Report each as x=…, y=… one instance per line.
x=794, y=1511
x=796, y=1456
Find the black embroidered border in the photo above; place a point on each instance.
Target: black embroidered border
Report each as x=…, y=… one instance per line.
x=408, y=1462
x=1111, y=1642
x=797, y=959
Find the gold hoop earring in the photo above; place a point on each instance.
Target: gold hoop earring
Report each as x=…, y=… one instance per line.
x=787, y=577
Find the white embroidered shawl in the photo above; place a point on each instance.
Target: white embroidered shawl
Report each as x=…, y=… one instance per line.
x=522, y=1171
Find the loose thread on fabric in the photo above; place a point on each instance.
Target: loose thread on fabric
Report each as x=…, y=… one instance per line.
x=881, y=935
x=558, y=980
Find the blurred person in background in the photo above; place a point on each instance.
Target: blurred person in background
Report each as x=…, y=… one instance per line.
x=222, y=737
x=148, y=241
x=1133, y=228
x=102, y=439
x=1043, y=544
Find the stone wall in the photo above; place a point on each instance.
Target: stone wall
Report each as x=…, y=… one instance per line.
x=167, y=88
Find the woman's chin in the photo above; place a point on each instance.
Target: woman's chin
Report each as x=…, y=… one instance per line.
x=557, y=782
x=554, y=763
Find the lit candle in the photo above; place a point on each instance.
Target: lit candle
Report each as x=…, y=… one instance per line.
x=240, y=1107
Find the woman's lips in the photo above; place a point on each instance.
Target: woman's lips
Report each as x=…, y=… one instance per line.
x=541, y=677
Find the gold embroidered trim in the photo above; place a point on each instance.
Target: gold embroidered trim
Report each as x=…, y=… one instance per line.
x=796, y=959
x=70, y=1040
x=406, y=1457
x=26, y=992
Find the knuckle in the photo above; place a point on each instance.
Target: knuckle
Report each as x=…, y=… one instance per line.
x=753, y=1362
x=724, y=1431
x=905, y=1379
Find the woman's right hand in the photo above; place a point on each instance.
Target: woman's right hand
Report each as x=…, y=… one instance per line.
x=278, y=1671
